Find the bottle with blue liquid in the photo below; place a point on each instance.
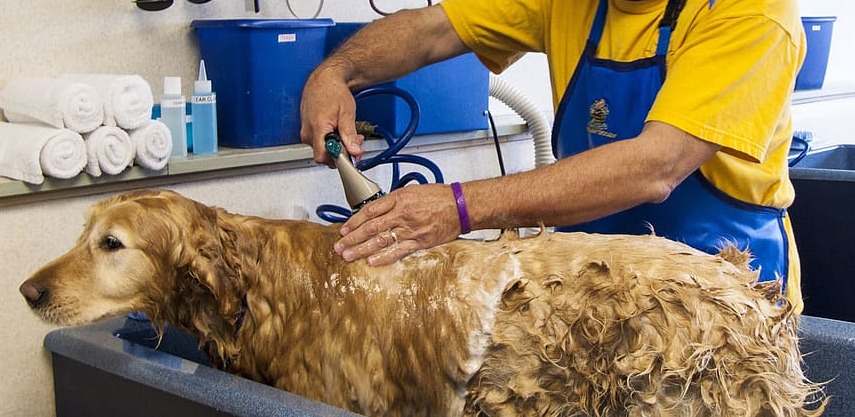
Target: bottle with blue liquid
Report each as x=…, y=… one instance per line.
x=203, y=107
x=173, y=114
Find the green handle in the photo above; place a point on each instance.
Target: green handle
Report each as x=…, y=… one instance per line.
x=332, y=144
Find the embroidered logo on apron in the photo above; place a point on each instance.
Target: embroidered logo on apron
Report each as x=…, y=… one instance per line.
x=597, y=125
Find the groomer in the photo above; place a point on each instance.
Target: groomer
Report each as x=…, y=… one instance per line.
x=672, y=116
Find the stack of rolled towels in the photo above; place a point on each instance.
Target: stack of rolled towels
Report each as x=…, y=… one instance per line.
x=59, y=127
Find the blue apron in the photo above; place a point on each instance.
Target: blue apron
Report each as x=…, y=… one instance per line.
x=607, y=101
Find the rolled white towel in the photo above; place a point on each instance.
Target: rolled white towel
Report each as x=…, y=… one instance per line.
x=58, y=103
x=28, y=152
x=153, y=142
x=109, y=150
x=127, y=98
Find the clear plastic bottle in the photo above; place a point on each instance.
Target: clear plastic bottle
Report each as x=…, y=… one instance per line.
x=173, y=114
x=203, y=105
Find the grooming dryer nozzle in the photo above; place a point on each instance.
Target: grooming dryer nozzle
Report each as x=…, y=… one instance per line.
x=358, y=189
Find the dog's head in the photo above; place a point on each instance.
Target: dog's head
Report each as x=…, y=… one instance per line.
x=140, y=251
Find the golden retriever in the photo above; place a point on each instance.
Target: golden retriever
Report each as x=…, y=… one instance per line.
x=553, y=325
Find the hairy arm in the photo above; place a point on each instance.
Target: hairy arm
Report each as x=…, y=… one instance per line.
x=591, y=185
x=383, y=50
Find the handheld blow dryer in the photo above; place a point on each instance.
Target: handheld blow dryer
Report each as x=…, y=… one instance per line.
x=358, y=189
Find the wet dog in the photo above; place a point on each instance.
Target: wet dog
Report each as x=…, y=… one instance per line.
x=553, y=325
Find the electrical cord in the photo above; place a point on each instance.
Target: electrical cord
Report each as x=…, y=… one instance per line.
x=337, y=214
x=496, y=141
x=383, y=13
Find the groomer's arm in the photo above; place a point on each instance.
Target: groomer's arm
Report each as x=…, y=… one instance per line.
x=590, y=185
x=383, y=50
x=593, y=184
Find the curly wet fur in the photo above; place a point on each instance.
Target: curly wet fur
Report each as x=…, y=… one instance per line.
x=605, y=345
x=556, y=325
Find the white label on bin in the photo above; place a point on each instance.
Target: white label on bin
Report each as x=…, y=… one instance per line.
x=816, y=28
x=287, y=37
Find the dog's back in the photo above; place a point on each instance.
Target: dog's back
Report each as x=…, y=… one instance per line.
x=552, y=325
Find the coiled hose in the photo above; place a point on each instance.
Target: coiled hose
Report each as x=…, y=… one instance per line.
x=337, y=214
x=499, y=89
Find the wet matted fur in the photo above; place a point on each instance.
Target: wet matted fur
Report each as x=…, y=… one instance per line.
x=554, y=325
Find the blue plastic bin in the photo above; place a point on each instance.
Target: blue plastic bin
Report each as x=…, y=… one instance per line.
x=453, y=95
x=818, y=33
x=258, y=69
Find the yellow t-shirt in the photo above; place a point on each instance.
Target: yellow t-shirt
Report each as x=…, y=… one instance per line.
x=730, y=71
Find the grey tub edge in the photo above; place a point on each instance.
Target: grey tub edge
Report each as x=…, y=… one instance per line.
x=827, y=345
x=828, y=352
x=95, y=345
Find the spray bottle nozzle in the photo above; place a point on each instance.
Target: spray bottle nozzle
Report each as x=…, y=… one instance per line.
x=202, y=84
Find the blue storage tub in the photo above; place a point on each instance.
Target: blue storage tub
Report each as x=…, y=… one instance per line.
x=818, y=34
x=453, y=95
x=258, y=68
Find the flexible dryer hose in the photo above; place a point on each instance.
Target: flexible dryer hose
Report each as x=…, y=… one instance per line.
x=539, y=126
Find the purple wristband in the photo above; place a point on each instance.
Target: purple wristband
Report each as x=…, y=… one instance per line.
x=462, y=212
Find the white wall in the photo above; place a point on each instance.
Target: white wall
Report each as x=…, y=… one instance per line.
x=841, y=59
x=830, y=121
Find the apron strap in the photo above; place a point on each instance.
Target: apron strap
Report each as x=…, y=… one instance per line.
x=599, y=23
x=667, y=24
x=672, y=11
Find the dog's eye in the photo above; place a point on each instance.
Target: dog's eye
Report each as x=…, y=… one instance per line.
x=111, y=243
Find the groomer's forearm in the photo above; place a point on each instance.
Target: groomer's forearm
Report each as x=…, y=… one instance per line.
x=395, y=46
x=571, y=191
x=593, y=184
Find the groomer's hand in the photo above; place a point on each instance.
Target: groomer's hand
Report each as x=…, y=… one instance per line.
x=327, y=105
x=407, y=220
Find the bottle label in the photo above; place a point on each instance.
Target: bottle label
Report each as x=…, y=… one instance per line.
x=206, y=99
x=172, y=102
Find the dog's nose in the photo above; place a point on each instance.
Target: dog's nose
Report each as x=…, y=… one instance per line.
x=34, y=293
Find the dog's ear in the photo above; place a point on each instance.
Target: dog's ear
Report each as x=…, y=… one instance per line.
x=209, y=253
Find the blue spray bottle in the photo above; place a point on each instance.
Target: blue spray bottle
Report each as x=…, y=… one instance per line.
x=203, y=106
